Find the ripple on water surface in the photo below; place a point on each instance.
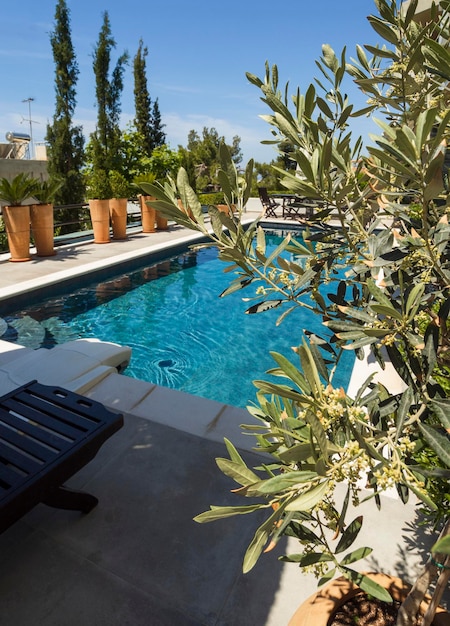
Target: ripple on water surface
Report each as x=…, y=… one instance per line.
x=181, y=333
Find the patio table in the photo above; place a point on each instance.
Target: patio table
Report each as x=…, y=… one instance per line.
x=287, y=198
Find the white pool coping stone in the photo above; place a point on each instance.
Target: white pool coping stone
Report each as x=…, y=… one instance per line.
x=76, y=365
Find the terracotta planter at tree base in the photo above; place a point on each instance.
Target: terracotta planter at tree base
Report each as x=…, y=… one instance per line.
x=319, y=608
x=17, y=225
x=41, y=216
x=99, y=210
x=161, y=222
x=118, y=214
x=148, y=214
x=223, y=208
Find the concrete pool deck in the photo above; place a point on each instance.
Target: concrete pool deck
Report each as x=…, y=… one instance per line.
x=138, y=558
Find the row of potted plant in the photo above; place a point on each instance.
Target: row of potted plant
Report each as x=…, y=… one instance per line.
x=19, y=216
x=150, y=216
x=29, y=209
x=108, y=195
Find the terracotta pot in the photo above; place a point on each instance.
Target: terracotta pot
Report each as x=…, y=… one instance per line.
x=319, y=608
x=118, y=214
x=148, y=214
x=188, y=211
x=162, y=223
x=223, y=208
x=99, y=210
x=41, y=216
x=17, y=225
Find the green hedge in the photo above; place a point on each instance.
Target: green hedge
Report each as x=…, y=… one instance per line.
x=212, y=198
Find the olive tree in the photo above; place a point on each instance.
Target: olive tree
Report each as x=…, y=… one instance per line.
x=380, y=240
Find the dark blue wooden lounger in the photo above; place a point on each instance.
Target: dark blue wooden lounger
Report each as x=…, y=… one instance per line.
x=47, y=434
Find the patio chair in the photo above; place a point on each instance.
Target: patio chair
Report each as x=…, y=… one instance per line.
x=269, y=204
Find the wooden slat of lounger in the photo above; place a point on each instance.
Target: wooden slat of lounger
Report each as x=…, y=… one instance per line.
x=44, y=418
x=42, y=410
x=35, y=449
x=35, y=431
x=10, y=456
x=61, y=406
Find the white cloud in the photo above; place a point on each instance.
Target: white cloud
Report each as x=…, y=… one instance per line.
x=176, y=88
x=178, y=127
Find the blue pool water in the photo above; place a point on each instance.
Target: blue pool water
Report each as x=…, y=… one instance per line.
x=181, y=333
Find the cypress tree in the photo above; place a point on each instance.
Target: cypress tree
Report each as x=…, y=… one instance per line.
x=142, y=101
x=106, y=153
x=158, y=136
x=148, y=116
x=65, y=142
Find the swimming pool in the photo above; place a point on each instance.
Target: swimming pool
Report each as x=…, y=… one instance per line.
x=182, y=334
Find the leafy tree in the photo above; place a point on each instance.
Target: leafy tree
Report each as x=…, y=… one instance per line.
x=133, y=158
x=201, y=157
x=164, y=162
x=106, y=140
x=187, y=162
x=135, y=161
x=65, y=141
x=265, y=174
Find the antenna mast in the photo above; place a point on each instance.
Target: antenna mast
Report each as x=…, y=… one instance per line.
x=30, y=121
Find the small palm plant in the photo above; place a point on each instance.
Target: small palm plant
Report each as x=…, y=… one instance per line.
x=45, y=191
x=16, y=215
x=16, y=191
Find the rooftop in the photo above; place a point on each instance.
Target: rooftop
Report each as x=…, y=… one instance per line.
x=138, y=557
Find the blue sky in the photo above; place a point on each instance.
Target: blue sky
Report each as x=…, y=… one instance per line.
x=199, y=52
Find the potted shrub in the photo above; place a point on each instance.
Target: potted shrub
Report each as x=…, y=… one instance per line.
x=148, y=211
x=388, y=294
x=16, y=214
x=41, y=216
x=120, y=189
x=99, y=193
x=218, y=200
x=172, y=195
x=162, y=223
